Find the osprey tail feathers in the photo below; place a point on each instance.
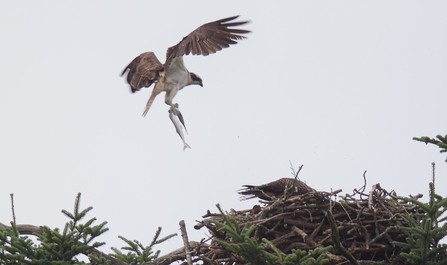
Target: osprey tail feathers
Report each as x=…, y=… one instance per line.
x=150, y=101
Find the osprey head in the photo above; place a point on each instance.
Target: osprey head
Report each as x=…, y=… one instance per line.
x=195, y=79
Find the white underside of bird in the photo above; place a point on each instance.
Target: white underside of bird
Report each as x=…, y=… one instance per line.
x=173, y=79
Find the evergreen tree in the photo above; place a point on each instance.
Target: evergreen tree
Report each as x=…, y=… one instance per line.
x=441, y=142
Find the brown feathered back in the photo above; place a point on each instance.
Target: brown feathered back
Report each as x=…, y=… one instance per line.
x=144, y=70
x=274, y=189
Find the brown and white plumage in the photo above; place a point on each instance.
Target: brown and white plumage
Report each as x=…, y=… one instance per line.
x=172, y=76
x=144, y=70
x=274, y=189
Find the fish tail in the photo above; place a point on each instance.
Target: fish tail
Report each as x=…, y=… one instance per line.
x=185, y=145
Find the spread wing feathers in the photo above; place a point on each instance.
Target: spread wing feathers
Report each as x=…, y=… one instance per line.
x=208, y=38
x=143, y=71
x=274, y=189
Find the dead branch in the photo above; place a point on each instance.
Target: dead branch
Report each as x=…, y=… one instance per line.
x=185, y=242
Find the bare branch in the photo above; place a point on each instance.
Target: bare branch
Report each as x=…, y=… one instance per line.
x=185, y=242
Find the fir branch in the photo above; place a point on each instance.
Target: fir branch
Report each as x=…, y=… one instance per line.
x=137, y=252
x=441, y=142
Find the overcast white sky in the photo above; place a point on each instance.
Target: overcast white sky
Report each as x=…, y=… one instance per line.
x=341, y=87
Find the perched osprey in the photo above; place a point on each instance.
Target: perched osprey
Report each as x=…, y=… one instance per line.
x=172, y=76
x=275, y=189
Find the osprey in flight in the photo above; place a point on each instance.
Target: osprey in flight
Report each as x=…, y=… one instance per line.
x=172, y=76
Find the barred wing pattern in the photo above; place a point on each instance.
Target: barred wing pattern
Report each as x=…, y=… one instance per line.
x=274, y=189
x=144, y=70
x=208, y=38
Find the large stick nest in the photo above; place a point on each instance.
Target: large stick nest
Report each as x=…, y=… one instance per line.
x=366, y=223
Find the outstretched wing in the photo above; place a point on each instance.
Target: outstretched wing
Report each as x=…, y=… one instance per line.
x=208, y=38
x=143, y=71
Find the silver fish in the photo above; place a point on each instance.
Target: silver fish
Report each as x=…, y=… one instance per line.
x=175, y=120
x=179, y=115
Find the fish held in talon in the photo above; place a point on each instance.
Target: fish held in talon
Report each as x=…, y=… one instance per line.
x=175, y=120
x=179, y=115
